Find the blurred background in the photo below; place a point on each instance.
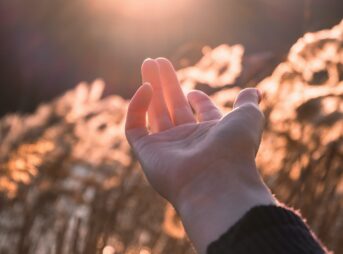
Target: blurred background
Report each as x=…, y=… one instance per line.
x=48, y=47
x=69, y=182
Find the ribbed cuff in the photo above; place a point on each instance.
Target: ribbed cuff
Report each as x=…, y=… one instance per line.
x=268, y=229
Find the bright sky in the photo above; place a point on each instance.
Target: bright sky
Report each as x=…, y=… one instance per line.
x=142, y=9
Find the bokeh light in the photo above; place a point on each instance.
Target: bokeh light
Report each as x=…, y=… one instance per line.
x=69, y=182
x=69, y=166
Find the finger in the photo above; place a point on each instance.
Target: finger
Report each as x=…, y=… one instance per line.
x=159, y=118
x=246, y=105
x=203, y=106
x=135, y=126
x=177, y=103
x=248, y=95
x=247, y=113
x=247, y=102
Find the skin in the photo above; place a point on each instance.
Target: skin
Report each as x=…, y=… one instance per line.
x=202, y=162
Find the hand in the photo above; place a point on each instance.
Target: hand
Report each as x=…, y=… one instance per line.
x=203, y=163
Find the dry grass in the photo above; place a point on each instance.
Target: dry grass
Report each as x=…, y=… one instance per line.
x=69, y=182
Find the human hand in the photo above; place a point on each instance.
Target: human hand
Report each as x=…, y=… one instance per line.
x=203, y=163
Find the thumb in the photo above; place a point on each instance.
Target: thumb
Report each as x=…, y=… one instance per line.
x=247, y=110
x=248, y=96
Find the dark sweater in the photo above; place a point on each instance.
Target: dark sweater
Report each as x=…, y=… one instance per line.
x=268, y=229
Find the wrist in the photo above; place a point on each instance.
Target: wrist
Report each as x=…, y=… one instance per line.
x=210, y=208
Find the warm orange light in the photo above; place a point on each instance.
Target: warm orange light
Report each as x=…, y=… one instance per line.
x=141, y=9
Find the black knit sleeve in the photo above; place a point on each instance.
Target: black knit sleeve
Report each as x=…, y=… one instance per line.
x=268, y=229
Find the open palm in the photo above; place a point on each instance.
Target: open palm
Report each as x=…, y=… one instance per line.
x=181, y=151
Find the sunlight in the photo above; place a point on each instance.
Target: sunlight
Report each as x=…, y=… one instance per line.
x=142, y=9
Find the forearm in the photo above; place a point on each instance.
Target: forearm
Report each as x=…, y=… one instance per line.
x=241, y=217
x=217, y=205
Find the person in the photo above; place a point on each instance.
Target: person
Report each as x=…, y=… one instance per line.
x=203, y=163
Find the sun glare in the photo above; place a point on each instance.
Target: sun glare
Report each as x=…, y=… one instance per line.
x=142, y=9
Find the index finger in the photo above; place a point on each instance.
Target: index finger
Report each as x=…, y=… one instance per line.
x=135, y=126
